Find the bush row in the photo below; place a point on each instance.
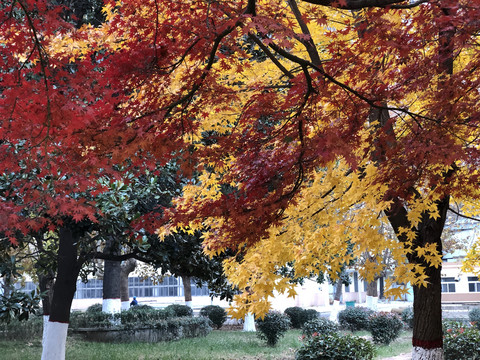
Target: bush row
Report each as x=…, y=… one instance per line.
x=384, y=327
x=141, y=316
x=22, y=330
x=136, y=316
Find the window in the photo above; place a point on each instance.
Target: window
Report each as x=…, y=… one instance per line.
x=28, y=287
x=473, y=284
x=92, y=289
x=448, y=284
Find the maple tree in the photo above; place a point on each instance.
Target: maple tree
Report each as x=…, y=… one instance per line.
x=304, y=119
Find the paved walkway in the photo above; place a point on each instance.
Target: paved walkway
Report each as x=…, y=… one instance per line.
x=407, y=356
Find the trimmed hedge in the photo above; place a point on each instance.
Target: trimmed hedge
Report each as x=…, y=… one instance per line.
x=334, y=346
x=273, y=326
x=179, y=310
x=136, y=316
x=354, y=318
x=319, y=326
x=164, y=330
x=215, y=313
x=22, y=330
x=384, y=327
x=298, y=316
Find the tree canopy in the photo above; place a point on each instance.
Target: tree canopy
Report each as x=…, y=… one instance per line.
x=304, y=120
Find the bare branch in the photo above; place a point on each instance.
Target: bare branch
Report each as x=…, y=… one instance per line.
x=462, y=215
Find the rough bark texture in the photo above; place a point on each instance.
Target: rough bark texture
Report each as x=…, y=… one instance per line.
x=7, y=287
x=338, y=290
x=427, y=327
x=187, y=288
x=126, y=268
x=63, y=292
x=66, y=281
x=372, y=289
x=45, y=283
x=111, y=273
x=111, y=280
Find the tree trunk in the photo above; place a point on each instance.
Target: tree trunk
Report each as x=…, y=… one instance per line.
x=427, y=337
x=6, y=286
x=372, y=289
x=337, y=295
x=45, y=283
x=249, y=323
x=372, y=295
x=187, y=290
x=63, y=292
x=111, y=281
x=127, y=267
x=338, y=290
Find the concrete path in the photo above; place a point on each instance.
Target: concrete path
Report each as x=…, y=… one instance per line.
x=407, y=356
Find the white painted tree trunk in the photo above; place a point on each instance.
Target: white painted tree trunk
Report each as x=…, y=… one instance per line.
x=125, y=305
x=112, y=306
x=189, y=304
x=372, y=302
x=249, y=323
x=420, y=353
x=54, y=341
x=325, y=289
x=334, y=309
x=45, y=327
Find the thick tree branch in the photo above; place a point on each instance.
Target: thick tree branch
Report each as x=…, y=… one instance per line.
x=251, y=8
x=308, y=43
x=123, y=257
x=362, y=4
x=271, y=56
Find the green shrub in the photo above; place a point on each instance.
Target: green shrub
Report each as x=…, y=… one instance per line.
x=385, y=327
x=184, y=327
x=319, y=326
x=298, y=316
x=407, y=316
x=273, y=327
x=139, y=318
x=22, y=330
x=179, y=310
x=461, y=343
x=310, y=314
x=93, y=309
x=92, y=319
x=143, y=315
x=354, y=318
x=334, y=346
x=474, y=316
x=18, y=305
x=190, y=326
x=215, y=313
x=454, y=324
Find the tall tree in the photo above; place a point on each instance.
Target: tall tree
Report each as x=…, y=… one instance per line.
x=323, y=113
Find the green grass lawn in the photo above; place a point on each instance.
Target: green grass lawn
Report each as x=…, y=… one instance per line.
x=218, y=345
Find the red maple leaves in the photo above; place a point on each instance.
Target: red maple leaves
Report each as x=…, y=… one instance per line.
x=66, y=123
